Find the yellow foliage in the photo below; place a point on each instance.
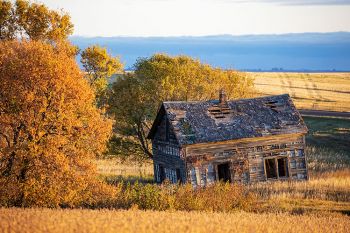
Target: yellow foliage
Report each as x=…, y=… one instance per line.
x=136, y=97
x=99, y=67
x=26, y=20
x=50, y=129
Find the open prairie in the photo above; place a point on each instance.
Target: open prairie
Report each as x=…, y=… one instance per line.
x=318, y=91
x=49, y=220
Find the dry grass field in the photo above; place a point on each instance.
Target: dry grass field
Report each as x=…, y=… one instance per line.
x=319, y=91
x=65, y=221
x=321, y=204
x=328, y=161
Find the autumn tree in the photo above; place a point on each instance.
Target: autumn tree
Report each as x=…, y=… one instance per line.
x=99, y=66
x=50, y=128
x=136, y=97
x=26, y=20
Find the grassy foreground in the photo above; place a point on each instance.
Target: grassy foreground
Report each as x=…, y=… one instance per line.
x=65, y=221
x=319, y=91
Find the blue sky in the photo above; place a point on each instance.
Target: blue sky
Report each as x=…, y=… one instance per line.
x=203, y=17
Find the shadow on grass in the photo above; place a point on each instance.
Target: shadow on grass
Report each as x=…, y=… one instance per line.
x=115, y=179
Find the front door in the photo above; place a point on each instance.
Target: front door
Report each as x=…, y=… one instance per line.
x=224, y=172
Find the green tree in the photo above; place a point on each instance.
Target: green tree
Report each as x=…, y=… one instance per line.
x=50, y=128
x=99, y=67
x=26, y=20
x=135, y=98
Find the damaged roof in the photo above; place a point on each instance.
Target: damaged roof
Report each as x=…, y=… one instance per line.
x=214, y=121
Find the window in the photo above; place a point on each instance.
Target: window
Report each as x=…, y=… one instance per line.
x=276, y=168
x=282, y=167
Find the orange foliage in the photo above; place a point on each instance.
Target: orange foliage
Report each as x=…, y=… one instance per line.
x=50, y=128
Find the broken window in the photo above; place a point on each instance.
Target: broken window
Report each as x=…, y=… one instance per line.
x=276, y=168
x=282, y=167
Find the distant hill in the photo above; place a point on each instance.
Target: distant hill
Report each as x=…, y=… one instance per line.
x=292, y=52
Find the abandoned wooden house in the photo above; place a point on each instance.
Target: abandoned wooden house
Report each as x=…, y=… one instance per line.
x=245, y=140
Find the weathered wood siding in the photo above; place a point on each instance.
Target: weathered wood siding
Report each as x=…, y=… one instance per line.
x=167, y=155
x=246, y=158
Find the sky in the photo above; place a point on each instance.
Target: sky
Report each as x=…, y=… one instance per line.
x=203, y=17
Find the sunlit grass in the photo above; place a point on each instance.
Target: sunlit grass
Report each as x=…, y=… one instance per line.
x=320, y=91
x=65, y=221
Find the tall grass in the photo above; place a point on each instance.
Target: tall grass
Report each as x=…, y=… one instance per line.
x=66, y=221
x=322, y=160
x=223, y=197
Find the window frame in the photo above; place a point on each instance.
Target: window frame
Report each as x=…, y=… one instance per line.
x=276, y=167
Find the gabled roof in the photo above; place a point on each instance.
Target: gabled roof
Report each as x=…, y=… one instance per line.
x=211, y=121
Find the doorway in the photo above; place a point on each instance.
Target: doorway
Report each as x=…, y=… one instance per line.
x=224, y=172
x=270, y=167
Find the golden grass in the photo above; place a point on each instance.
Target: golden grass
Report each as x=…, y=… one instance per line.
x=116, y=167
x=328, y=191
x=65, y=221
x=323, y=191
x=319, y=91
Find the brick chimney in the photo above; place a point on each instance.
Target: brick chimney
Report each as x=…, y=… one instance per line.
x=222, y=97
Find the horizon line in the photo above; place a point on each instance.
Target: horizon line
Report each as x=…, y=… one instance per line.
x=208, y=35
